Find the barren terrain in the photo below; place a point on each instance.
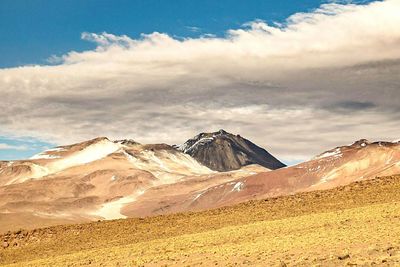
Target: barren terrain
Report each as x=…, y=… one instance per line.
x=358, y=224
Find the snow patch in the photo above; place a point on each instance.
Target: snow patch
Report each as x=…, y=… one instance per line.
x=166, y=166
x=194, y=142
x=91, y=153
x=198, y=195
x=299, y=167
x=88, y=154
x=158, y=161
x=337, y=153
x=326, y=179
x=188, y=147
x=238, y=187
x=112, y=210
x=314, y=169
x=37, y=171
x=389, y=159
x=45, y=155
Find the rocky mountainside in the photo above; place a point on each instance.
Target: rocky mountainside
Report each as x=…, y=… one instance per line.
x=104, y=179
x=340, y=166
x=94, y=180
x=223, y=151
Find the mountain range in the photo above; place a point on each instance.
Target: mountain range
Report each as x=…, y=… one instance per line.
x=102, y=179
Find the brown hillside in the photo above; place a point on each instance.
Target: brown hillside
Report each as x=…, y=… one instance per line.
x=354, y=224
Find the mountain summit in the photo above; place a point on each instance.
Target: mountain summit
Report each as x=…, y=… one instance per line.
x=223, y=151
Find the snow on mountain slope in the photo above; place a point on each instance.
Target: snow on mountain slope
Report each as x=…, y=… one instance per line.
x=337, y=167
x=337, y=153
x=47, y=154
x=164, y=163
x=101, y=179
x=333, y=168
x=223, y=151
x=93, y=152
x=195, y=142
x=102, y=174
x=112, y=210
x=361, y=160
x=18, y=172
x=167, y=165
x=181, y=195
x=57, y=159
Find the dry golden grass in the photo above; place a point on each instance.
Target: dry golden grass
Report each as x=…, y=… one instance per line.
x=354, y=225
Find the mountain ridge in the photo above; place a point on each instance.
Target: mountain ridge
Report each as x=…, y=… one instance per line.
x=104, y=179
x=223, y=151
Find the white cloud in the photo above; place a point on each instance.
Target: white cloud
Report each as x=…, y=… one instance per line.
x=193, y=28
x=4, y=146
x=320, y=79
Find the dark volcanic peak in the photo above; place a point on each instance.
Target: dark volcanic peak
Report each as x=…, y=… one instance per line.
x=201, y=139
x=223, y=151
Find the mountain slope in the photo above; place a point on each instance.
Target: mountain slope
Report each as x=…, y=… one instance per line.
x=222, y=151
x=95, y=180
x=56, y=160
x=352, y=225
x=102, y=179
x=340, y=166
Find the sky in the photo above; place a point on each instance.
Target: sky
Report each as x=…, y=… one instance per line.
x=34, y=30
x=296, y=77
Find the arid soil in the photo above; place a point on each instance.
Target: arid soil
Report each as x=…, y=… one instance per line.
x=354, y=225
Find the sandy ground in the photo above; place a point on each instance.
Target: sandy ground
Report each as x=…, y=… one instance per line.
x=355, y=225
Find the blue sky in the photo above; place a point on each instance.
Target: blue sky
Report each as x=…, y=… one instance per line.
x=34, y=30
x=133, y=104
x=31, y=31
x=17, y=148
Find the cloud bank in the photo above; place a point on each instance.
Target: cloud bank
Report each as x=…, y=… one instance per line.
x=320, y=79
x=4, y=146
